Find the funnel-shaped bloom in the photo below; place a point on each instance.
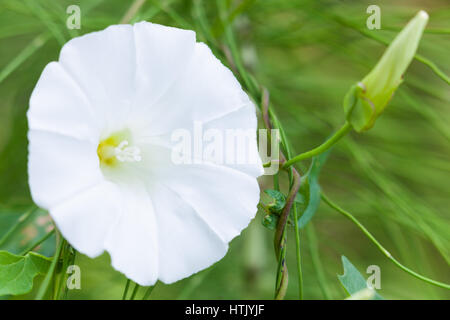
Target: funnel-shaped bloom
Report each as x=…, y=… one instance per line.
x=367, y=100
x=101, y=123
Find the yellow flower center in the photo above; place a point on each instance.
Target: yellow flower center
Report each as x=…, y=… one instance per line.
x=116, y=149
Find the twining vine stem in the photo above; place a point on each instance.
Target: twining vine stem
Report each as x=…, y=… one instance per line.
x=280, y=232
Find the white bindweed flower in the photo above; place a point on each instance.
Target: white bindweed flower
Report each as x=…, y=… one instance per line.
x=100, y=145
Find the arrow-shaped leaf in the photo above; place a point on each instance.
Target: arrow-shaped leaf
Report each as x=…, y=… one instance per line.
x=352, y=280
x=18, y=272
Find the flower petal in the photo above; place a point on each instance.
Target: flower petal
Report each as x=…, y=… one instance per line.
x=59, y=167
x=162, y=53
x=86, y=218
x=226, y=199
x=240, y=146
x=59, y=105
x=205, y=90
x=104, y=65
x=132, y=242
x=156, y=219
x=186, y=243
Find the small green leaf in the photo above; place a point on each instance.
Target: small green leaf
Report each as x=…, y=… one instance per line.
x=18, y=272
x=352, y=280
x=270, y=221
x=279, y=201
x=308, y=198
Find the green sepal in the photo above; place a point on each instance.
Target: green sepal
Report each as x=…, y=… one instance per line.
x=359, y=110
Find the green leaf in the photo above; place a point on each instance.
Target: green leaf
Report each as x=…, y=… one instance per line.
x=18, y=272
x=308, y=198
x=273, y=209
x=279, y=201
x=352, y=280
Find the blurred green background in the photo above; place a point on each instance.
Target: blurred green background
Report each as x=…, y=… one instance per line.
x=393, y=178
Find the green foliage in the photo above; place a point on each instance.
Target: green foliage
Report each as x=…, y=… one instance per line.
x=270, y=221
x=273, y=209
x=352, y=280
x=21, y=227
x=360, y=112
x=278, y=203
x=308, y=198
x=394, y=178
x=18, y=272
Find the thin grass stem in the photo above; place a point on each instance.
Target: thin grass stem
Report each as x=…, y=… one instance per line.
x=135, y=291
x=149, y=292
x=125, y=291
x=380, y=247
x=38, y=242
x=17, y=225
x=51, y=270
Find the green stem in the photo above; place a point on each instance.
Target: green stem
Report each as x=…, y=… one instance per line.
x=281, y=282
x=48, y=277
x=135, y=290
x=149, y=291
x=298, y=255
x=38, y=242
x=315, y=259
x=17, y=225
x=132, y=11
x=125, y=291
x=72, y=262
x=380, y=247
x=323, y=147
x=229, y=37
x=199, y=13
x=60, y=279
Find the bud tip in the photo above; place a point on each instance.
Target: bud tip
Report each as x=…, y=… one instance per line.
x=423, y=15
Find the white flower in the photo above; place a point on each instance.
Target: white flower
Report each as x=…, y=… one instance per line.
x=100, y=144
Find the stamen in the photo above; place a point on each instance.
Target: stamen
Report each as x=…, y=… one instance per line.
x=127, y=154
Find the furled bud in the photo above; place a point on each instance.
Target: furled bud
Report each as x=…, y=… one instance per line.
x=366, y=100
